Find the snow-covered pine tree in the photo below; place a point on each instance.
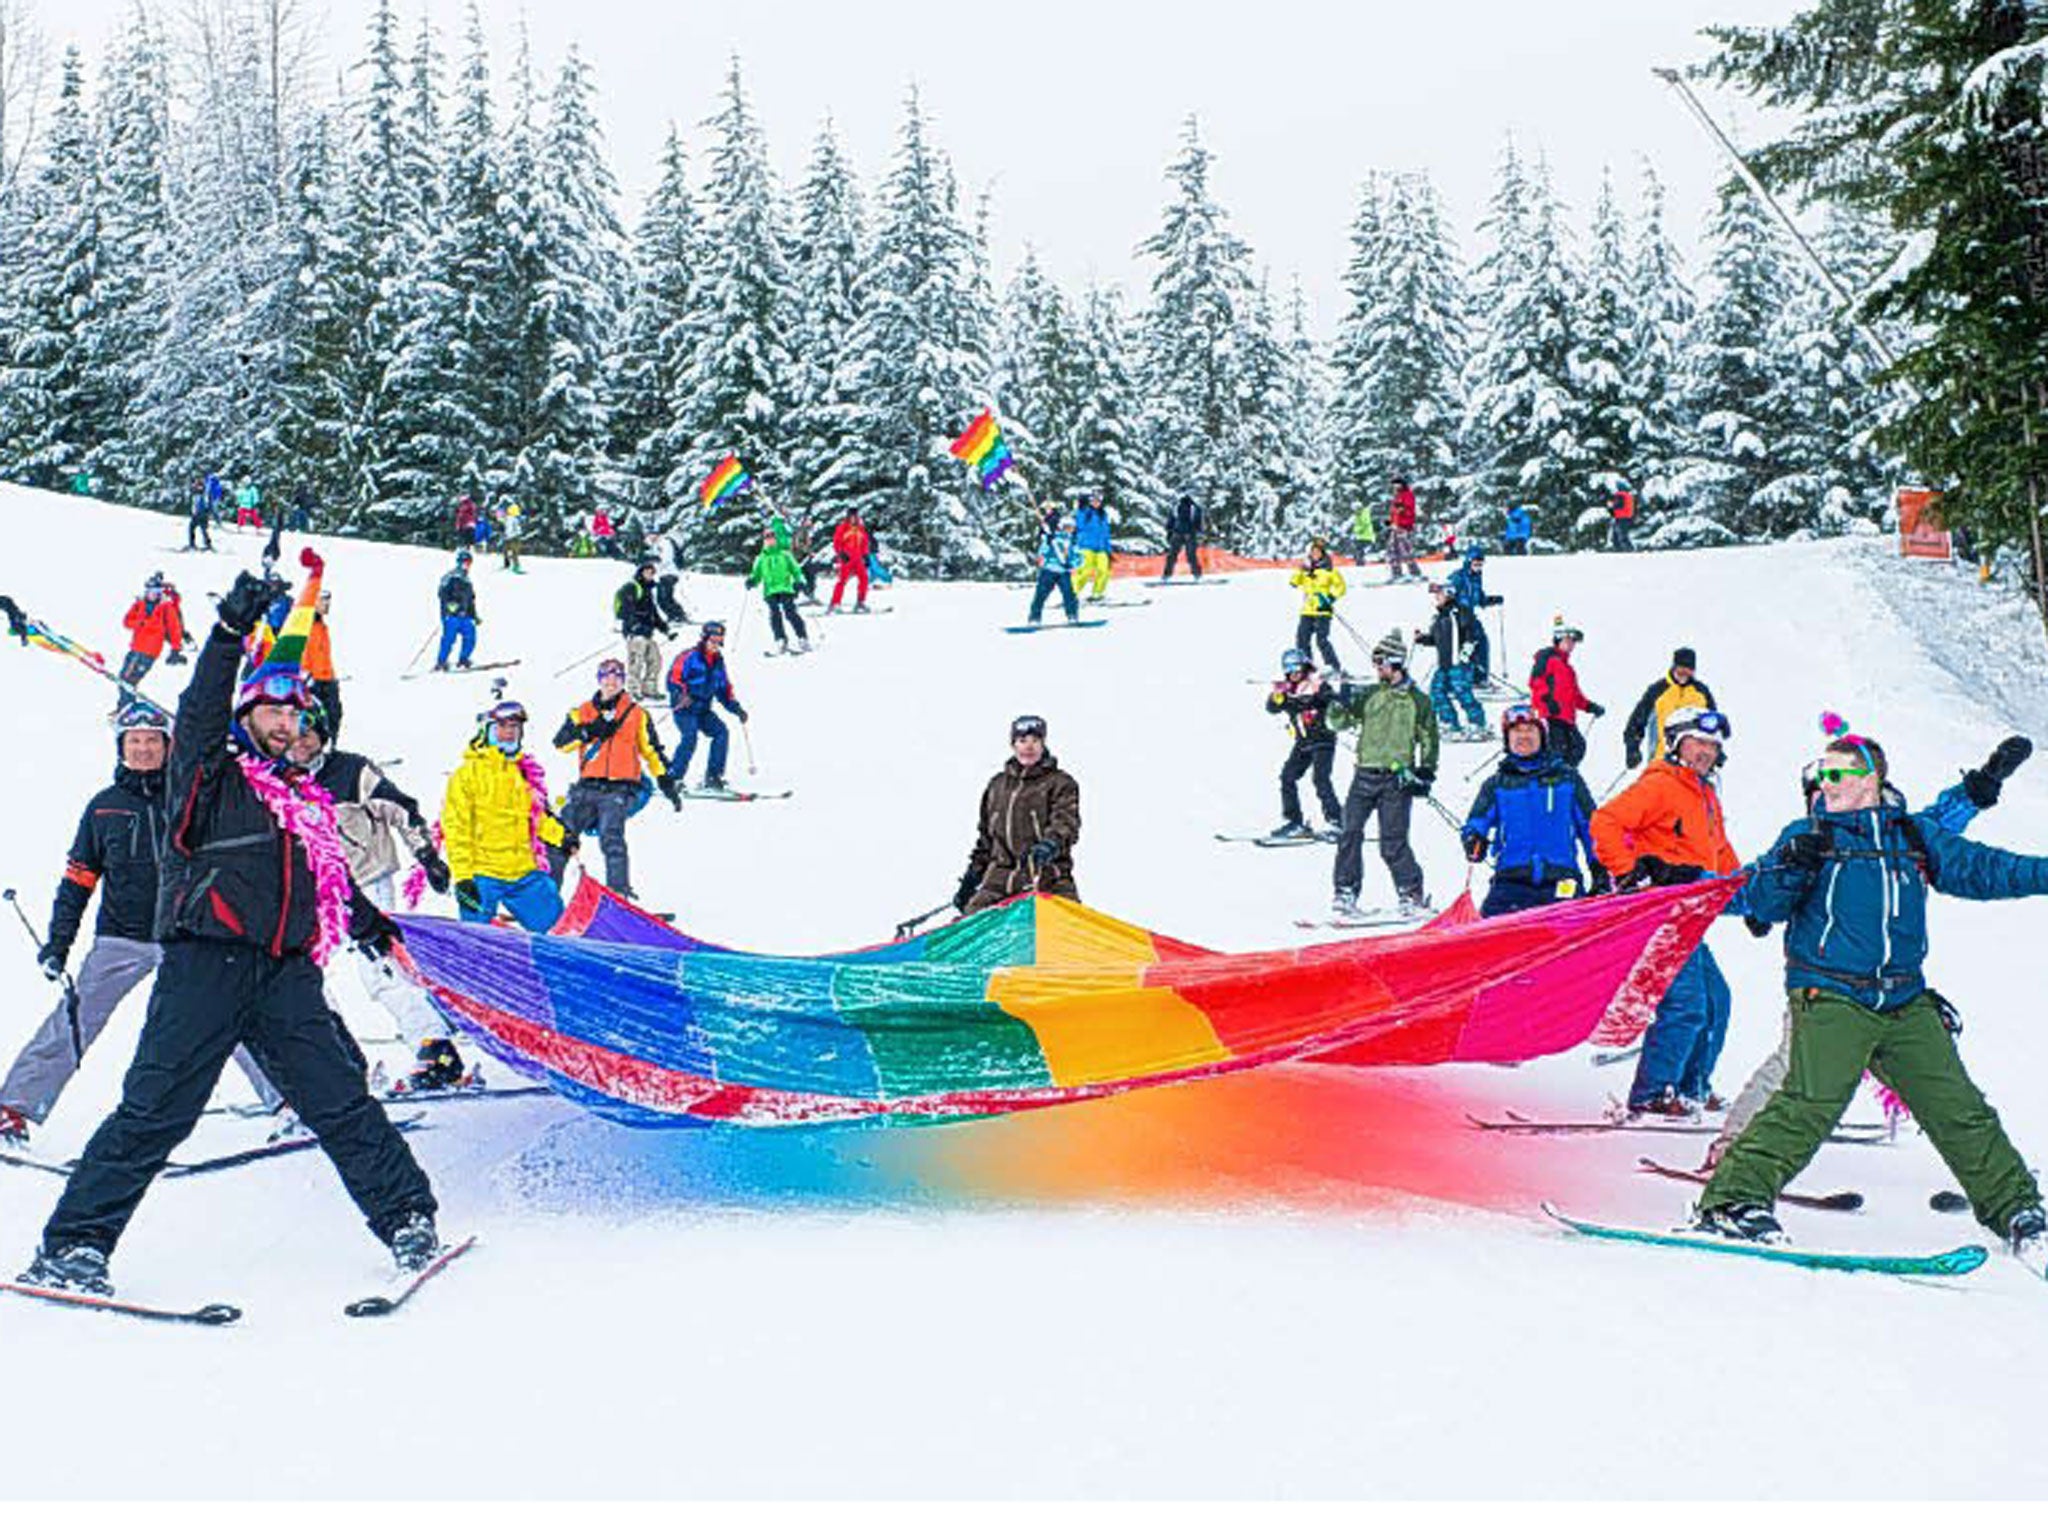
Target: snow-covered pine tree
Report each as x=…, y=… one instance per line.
x=1036, y=360
x=830, y=252
x=1665, y=312
x=737, y=393
x=1308, y=502
x=1361, y=470
x=657, y=341
x=315, y=311
x=1524, y=422
x=1111, y=444
x=1194, y=369
x=1605, y=329
x=919, y=366
x=56, y=415
x=1268, y=478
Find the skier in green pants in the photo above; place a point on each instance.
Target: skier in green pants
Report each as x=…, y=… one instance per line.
x=1850, y=883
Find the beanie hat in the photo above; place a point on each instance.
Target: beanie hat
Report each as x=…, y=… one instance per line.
x=1684, y=656
x=1391, y=648
x=278, y=674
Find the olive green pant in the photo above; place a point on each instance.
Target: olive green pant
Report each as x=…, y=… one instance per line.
x=1833, y=1041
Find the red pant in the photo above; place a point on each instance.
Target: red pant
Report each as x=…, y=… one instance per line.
x=848, y=570
x=244, y=516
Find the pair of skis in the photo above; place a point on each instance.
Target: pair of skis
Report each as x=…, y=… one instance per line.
x=284, y=1146
x=459, y=671
x=1267, y=840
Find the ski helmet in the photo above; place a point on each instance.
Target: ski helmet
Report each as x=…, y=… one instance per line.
x=1028, y=725
x=1523, y=713
x=504, y=712
x=1560, y=630
x=1391, y=650
x=463, y=557
x=714, y=629
x=1708, y=724
x=140, y=715
x=314, y=717
x=1292, y=661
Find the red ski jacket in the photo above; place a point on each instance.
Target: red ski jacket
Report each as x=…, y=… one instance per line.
x=1554, y=687
x=155, y=625
x=1402, y=513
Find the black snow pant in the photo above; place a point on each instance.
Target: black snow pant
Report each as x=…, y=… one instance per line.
x=602, y=806
x=1618, y=539
x=1567, y=741
x=781, y=611
x=1177, y=544
x=209, y=998
x=199, y=530
x=1312, y=631
x=1377, y=790
x=1313, y=758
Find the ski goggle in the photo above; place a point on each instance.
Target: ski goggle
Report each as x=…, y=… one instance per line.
x=280, y=688
x=607, y=669
x=1028, y=725
x=1708, y=722
x=1520, y=714
x=1834, y=775
x=506, y=714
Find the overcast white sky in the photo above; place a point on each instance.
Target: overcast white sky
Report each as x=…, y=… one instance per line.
x=1070, y=110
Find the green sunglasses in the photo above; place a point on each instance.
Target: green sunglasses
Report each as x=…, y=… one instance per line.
x=1836, y=775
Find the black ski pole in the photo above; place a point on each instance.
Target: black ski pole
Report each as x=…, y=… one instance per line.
x=1449, y=820
x=70, y=990
x=910, y=925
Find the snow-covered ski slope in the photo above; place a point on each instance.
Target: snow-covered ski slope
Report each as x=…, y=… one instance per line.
x=1298, y=1282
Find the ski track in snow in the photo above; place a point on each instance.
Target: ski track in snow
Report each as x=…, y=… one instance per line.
x=1302, y=1281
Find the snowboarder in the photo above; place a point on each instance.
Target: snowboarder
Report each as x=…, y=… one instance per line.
x=696, y=682
x=1850, y=883
x=1396, y=758
x=1621, y=514
x=514, y=532
x=1667, y=828
x=613, y=738
x=254, y=897
x=1365, y=536
x=1058, y=558
x=1554, y=690
x=850, y=546
x=637, y=608
x=1454, y=632
x=497, y=827
x=777, y=574
x=1321, y=584
x=1468, y=586
x=1679, y=688
x=1029, y=822
x=1517, y=528
x=457, y=596
x=153, y=621
x=1091, y=535
x=1305, y=697
x=113, y=852
x=1534, y=816
x=199, y=520
x=1953, y=810
x=1401, y=533
x=1184, y=536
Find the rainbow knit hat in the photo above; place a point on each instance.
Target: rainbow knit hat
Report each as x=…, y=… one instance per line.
x=278, y=674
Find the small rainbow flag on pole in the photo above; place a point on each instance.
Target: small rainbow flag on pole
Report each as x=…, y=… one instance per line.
x=726, y=480
x=982, y=449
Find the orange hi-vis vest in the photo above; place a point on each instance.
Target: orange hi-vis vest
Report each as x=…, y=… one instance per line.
x=620, y=755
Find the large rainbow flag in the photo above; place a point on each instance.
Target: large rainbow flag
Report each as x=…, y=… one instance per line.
x=727, y=479
x=982, y=449
x=1038, y=1002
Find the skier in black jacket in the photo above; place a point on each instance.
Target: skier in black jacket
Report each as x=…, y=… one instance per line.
x=637, y=607
x=114, y=853
x=246, y=855
x=1184, y=535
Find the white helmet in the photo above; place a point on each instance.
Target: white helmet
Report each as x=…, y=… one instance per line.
x=1708, y=724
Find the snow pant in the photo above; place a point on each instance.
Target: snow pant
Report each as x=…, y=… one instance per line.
x=854, y=571
x=1514, y=546
x=1312, y=633
x=248, y=517
x=1377, y=790
x=198, y=530
x=1050, y=582
x=209, y=998
x=1834, y=1040
x=1176, y=545
x=1618, y=532
x=688, y=723
x=299, y=520
x=455, y=627
x=783, y=617
x=1481, y=665
x=1093, y=581
x=533, y=901
x=1515, y=891
x=1766, y=1080
x=602, y=806
x=643, y=667
x=1313, y=758
x=388, y=986
x=134, y=668
x=328, y=691
x=1566, y=740
x=112, y=969
x=1684, y=1041
x=1400, y=551
x=1361, y=551
x=1450, y=690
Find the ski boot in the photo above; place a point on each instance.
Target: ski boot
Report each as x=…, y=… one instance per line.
x=803, y=645
x=415, y=1244
x=860, y=607
x=714, y=784
x=13, y=1127
x=1747, y=1223
x=440, y=1066
x=1668, y=1105
x=1291, y=829
x=2026, y=1239
x=1344, y=907
x=1414, y=907
x=1332, y=833
x=81, y=1268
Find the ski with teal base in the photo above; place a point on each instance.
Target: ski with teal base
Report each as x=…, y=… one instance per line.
x=1955, y=1261
x=213, y=1315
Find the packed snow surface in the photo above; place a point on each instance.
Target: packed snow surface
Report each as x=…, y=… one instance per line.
x=1298, y=1282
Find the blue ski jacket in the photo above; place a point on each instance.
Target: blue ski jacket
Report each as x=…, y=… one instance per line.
x=1537, y=815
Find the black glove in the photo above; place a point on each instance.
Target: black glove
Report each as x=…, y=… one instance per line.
x=175, y=659
x=468, y=897
x=51, y=959
x=1600, y=883
x=1651, y=870
x=672, y=790
x=379, y=933
x=17, y=621
x=1417, y=781
x=603, y=728
x=437, y=870
x=1806, y=851
x=570, y=843
x=1757, y=927
x=1983, y=784
x=740, y=712
x=964, y=892
x=1475, y=847
x=246, y=602
x=1633, y=757
x=1595, y=710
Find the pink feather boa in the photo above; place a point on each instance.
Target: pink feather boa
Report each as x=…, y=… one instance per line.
x=302, y=809
x=537, y=783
